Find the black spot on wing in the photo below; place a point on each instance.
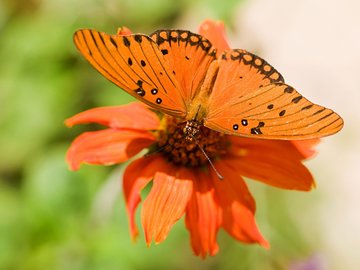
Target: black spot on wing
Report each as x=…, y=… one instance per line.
x=319, y=111
x=288, y=90
x=140, y=92
x=307, y=107
x=126, y=41
x=296, y=99
x=113, y=42
x=256, y=131
x=138, y=38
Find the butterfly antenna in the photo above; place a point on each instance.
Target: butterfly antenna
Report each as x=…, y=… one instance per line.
x=207, y=157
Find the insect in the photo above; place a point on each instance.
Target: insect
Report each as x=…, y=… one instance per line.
x=180, y=74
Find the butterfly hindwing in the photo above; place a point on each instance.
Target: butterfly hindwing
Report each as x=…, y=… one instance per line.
x=134, y=63
x=274, y=111
x=189, y=56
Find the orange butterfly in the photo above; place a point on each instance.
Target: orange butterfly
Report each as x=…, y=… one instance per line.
x=177, y=72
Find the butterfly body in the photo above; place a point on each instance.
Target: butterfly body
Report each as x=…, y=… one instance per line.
x=198, y=107
x=181, y=74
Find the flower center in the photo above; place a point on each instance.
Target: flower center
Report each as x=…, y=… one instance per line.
x=180, y=150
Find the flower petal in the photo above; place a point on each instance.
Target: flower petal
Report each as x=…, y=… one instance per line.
x=203, y=216
x=106, y=147
x=136, y=176
x=215, y=32
x=123, y=31
x=132, y=116
x=306, y=147
x=274, y=162
x=165, y=204
x=238, y=206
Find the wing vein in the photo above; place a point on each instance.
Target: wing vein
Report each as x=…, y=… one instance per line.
x=105, y=70
x=115, y=59
x=307, y=124
x=251, y=115
x=152, y=45
x=153, y=69
x=337, y=119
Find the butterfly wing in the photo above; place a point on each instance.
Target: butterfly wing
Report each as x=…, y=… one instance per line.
x=134, y=63
x=189, y=56
x=240, y=73
x=263, y=106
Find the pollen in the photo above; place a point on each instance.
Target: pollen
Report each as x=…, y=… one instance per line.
x=178, y=150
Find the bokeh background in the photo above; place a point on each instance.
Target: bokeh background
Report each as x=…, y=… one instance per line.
x=51, y=218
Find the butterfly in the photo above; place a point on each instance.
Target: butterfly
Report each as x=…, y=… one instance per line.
x=181, y=74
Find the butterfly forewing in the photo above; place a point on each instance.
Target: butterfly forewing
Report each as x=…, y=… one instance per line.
x=189, y=56
x=240, y=73
x=275, y=111
x=136, y=64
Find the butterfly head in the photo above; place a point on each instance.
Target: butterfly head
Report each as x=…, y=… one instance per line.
x=181, y=142
x=191, y=130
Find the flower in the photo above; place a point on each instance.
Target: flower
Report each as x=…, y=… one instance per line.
x=183, y=181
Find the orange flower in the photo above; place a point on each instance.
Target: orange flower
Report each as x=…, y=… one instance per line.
x=183, y=181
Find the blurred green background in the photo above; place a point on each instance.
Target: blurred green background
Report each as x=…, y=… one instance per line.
x=51, y=218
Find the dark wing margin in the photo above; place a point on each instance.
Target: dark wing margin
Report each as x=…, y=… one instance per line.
x=189, y=55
